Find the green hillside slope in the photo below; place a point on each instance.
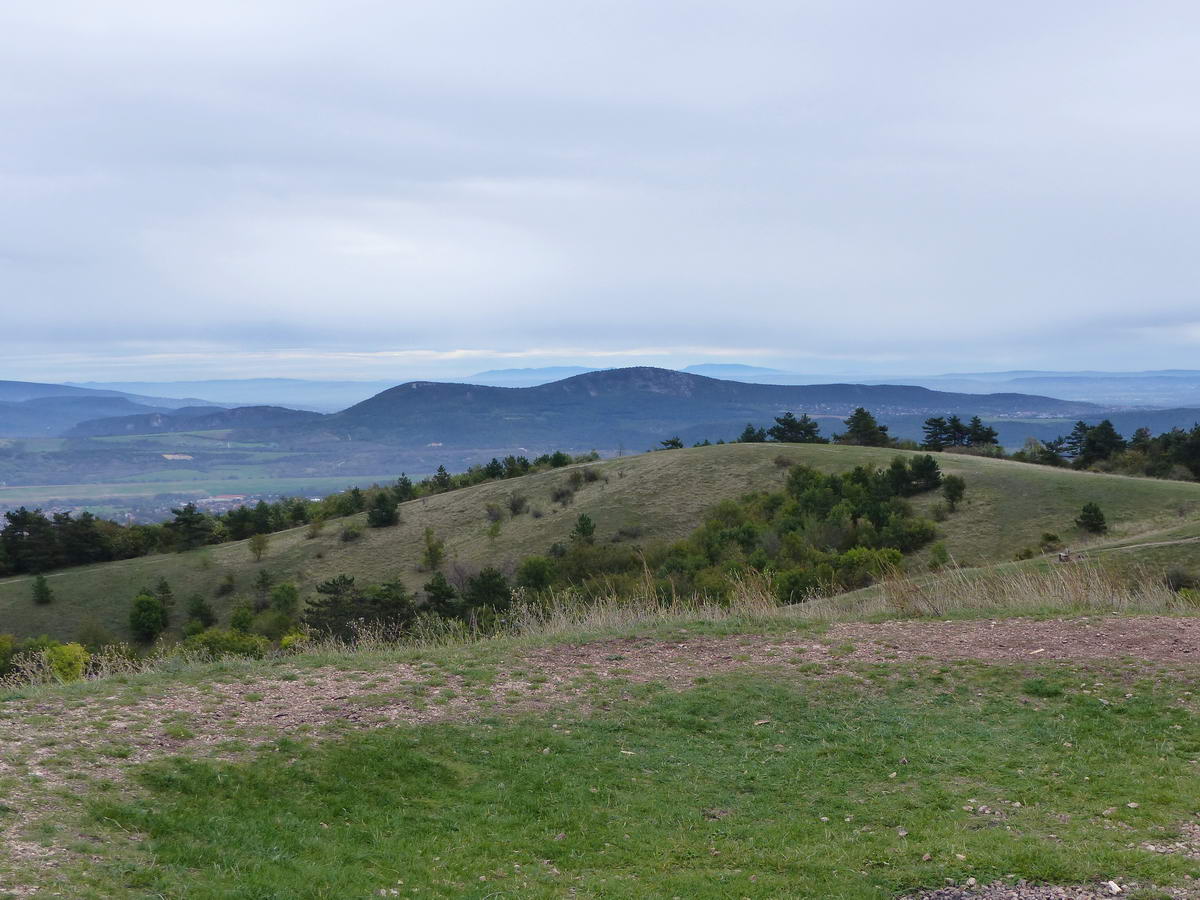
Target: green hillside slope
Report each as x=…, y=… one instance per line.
x=664, y=495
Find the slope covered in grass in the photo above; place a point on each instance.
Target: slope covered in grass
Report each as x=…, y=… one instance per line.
x=657, y=496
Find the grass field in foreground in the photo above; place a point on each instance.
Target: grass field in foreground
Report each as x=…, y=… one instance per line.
x=742, y=786
x=1007, y=508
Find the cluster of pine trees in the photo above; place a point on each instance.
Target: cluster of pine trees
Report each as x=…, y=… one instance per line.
x=1172, y=454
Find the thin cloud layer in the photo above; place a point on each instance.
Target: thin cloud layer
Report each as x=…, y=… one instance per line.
x=423, y=188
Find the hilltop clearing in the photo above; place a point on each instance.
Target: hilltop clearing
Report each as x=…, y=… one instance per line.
x=750, y=756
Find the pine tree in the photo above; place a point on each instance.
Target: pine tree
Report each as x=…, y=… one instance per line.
x=752, y=435
x=41, y=591
x=980, y=435
x=382, y=513
x=584, y=530
x=790, y=430
x=489, y=590
x=1091, y=518
x=441, y=598
x=862, y=430
x=191, y=527
x=937, y=437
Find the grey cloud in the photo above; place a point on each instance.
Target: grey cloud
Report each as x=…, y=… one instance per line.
x=940, y=185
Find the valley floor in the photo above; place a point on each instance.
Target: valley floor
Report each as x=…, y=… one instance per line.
x=793, y=760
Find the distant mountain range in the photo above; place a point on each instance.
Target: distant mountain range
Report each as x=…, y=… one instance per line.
x=33, y=409
x=633, y=407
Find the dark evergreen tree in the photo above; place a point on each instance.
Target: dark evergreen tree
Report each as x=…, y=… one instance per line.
x=441, y=598
x=937, y=435
x=200, y=610
x=382, y=513
x=403, y=490
x=752, y=435
x=441, y=480
x=41, y=591
x=980, y=435
x=790, y=430
x=1072, y=444
x=489, y=590
x=1100, y=442
x=862, y=430
x=1091, y=518
x=584, y=530
x=332, y=611
x=672, y=443
x=191, y=527
x=957, y=434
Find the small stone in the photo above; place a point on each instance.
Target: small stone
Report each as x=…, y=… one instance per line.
x=1133, y=805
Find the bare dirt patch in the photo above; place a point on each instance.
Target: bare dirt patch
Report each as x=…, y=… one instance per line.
x=1150, y=638
x=48, y=744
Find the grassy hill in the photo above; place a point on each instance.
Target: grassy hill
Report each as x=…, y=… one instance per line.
x=662, y=495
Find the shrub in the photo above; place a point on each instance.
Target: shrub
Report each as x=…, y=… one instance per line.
x=223, y=642
x=487, y=590
x=563, y=494
x=285, y=599
x=536, y=573
x=8, y=646
x=315, y=527
x=272, y=624
x=147, y=617
x=493, y=512
x=939, y=556
x=628, y=533
x=517, y=504
x=242, y=617
x=350, y=533
x=199, y=610
x=939, y=512
x=294, y=641
x=1181, y=580
x=41, y=591
x=68, y=662
x=784, y=462
x=227, y=585
x=590, y=475
x=1091, y=519
x=1051, y=541
x=93, y=636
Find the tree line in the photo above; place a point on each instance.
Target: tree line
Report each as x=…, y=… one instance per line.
x=32, y=542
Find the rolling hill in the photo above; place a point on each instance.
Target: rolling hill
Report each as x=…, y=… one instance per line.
x=35, y=409
x=1009, y=505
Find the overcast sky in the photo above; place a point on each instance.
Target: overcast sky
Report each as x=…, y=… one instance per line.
x=403, y=189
